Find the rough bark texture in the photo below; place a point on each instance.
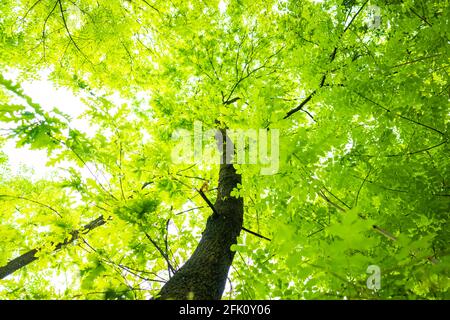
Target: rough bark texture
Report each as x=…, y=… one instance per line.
x=204, y=275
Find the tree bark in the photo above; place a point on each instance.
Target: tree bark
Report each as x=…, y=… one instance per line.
x=30, y=256
x=204, y=275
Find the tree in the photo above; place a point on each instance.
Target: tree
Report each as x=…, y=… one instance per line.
x=358, y=92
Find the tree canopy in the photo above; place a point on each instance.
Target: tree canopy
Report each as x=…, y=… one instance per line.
x=358, y=92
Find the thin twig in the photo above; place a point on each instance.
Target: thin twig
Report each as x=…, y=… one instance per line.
x=360, y=187
x=324, y=76
x=191, y=209
x=29, y=9
x=384, y=233
x=45, y=25
x=322, y=195
x=421, y=18
x=202, y=194
x=397, y=114
x=68, y=31
x=163, y=254
x=33, y=201
x=154, y=8
x=256, y=234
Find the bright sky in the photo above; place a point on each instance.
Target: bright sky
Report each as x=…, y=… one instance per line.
x=48, y=96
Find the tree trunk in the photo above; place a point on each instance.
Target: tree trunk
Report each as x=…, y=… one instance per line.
x=204, y=275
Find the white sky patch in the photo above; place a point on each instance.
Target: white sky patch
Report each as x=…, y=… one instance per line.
x=348, y=147
x=281, y=7
x=172, y=229
x=43, y=229
x=61, y=281
x=397, y=134
x=328, y=156
x=33, y=162
x=222, y=6
x=20, y=158
x=118, y=101
x=45, y=93
x=353, y=11
x=265, y=194
x=143, y=97
x=146, y=137
x=48, y=96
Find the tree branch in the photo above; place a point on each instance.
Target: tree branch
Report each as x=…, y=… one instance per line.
x=45, y=25
x=324, y=76
x=202, y=194
x=205, y=198
x=360, y=187
x=29, y=9
x=384, y=233
x=154, y=8
x=301, y=105
x=256, y=234
x=30, y=256
x=161, y=251
x=397, y=114
x=421, y=18
x=68, y=31
x=33, y=201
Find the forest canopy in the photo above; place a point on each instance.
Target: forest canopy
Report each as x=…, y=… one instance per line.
x=263, y=149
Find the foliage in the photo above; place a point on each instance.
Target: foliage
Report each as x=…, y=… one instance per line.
x=364, y=163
